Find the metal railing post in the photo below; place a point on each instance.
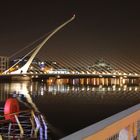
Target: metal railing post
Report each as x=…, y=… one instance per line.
x=20, y=127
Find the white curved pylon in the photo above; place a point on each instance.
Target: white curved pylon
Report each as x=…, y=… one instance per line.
x=25, y=67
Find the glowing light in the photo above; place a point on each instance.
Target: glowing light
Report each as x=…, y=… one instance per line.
x=82, y=72
x=119, y=89
x=93, y=72
x=17, y=66
x=125, y=87
x=31, y=88
x=58, y=76
x=100, y=76
x=73, y=72
x=83, y=88
x=88, y=88
x=114, y=87
x=136, y=88
x=42, y=63
x=109, y=88
x=88, y=72
x=123, y=81
x=42, y=91
x=130, y=88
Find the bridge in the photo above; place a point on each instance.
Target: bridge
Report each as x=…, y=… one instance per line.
x=84, y=68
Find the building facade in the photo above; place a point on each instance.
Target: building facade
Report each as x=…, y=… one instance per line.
x=4, y=63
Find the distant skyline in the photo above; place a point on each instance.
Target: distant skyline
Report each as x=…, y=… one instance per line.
x=100, y=28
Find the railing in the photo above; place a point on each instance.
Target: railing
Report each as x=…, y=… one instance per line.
x=27, y=125
x=121, y=126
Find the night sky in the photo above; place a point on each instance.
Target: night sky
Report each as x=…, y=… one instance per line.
x=101, y=27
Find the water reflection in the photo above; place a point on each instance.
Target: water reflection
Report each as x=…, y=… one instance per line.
x=42, y=88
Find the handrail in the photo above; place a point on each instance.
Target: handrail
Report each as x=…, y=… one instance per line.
x=45, y=127
x=25, y=116
x=37, y=124
x=109, y=127
x=15, y=113
x=33, y=125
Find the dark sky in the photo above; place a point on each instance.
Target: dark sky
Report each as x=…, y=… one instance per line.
x=109, y=27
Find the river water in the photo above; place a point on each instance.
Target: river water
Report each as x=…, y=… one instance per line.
x=71, y=107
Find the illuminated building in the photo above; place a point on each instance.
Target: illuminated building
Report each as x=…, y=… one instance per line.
x=4, y=63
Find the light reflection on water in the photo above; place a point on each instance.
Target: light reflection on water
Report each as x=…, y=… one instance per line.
x=72, y=107
x=41, y=88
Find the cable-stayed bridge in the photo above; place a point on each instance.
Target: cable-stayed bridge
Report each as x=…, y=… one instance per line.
x=72, y=66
